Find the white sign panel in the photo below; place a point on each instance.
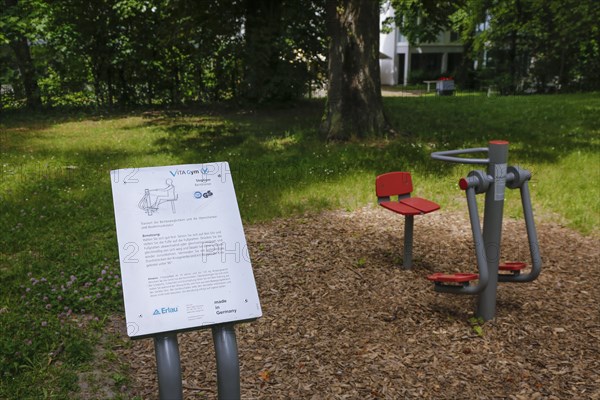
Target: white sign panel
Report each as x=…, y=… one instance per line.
x=184, y=258
x=499, y=181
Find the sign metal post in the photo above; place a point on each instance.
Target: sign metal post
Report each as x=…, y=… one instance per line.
x=168, y=367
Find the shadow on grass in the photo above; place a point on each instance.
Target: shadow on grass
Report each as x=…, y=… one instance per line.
x=278, y=154
x=60, y=219
x=539, y=128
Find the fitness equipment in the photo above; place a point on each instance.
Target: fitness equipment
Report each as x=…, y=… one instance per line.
x=487, y=243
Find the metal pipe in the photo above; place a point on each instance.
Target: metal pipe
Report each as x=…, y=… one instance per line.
x=447, y=156
x=228, y=365
x=492, y=225
x=409, y=222
x=534, y=249
x=479, y=252
x=168, y=367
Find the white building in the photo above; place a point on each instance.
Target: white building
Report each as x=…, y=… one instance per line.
x=398, y=59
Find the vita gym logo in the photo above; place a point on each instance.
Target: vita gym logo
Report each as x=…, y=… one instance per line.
x=165, y=310
x=203, y=171
x=185, y=172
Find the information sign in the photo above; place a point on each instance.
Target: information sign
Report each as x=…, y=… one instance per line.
x=183, y=254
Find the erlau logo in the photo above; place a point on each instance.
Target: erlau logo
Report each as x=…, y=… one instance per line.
x=165, y=310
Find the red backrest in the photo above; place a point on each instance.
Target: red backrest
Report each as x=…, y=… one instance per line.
x=393, y=183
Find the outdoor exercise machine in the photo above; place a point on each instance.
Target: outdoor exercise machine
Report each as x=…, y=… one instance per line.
x=400, y=184
x=487, y=243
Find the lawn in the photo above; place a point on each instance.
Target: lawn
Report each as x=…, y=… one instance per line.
x=58, y=256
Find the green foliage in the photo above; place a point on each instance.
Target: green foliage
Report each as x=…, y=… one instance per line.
x=477, y=325
x=166, y=52
x=521, y=44
x=27, y=18
x=422, y=21
x=124, y=52
x=284, y=48
x=542, y=45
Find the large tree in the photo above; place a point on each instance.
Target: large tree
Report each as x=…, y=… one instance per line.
x=354, y=104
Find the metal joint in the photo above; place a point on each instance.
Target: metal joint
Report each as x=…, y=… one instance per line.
x=483, y=181
x=478, y=180
x=516, y=176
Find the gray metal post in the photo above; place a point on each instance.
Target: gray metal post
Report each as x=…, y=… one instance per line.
x=228, y=365
x=492, y=225
x=168, y=366
x=409, y=222
x=534, y=247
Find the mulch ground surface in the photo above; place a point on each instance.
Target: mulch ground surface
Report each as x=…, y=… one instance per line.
x=343, y=320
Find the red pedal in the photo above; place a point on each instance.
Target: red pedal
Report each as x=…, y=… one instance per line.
x=512, y=266
x=452, y=278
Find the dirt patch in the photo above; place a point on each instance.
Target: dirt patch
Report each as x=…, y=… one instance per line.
x=399, y=91
x=342, y=320
x=102, y=379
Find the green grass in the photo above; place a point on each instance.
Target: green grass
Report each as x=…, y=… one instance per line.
x=58, y=254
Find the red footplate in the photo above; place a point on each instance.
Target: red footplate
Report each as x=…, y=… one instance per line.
x=452, y=278
x=512, y=266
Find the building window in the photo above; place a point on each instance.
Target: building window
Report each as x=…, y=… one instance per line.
x=454, y=36
x=400, y=38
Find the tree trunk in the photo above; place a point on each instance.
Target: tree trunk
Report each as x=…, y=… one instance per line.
x=354, y=104
x=20, y=47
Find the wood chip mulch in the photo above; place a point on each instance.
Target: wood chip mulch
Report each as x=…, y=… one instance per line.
x=343, y=320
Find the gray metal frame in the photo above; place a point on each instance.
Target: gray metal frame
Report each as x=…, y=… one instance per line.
x=493, y=183
x=447, y=156
x=409, y=226
x=168, y=366
x=492, y=226
x=228, y=365
x=482, y=264
x=517, y=178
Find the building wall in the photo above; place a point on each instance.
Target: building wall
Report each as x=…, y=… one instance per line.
x=388, y=58
x=397, y=57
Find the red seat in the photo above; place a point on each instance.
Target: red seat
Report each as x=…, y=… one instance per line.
x=425, y=206
x=400, y=208
x=400, y=184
